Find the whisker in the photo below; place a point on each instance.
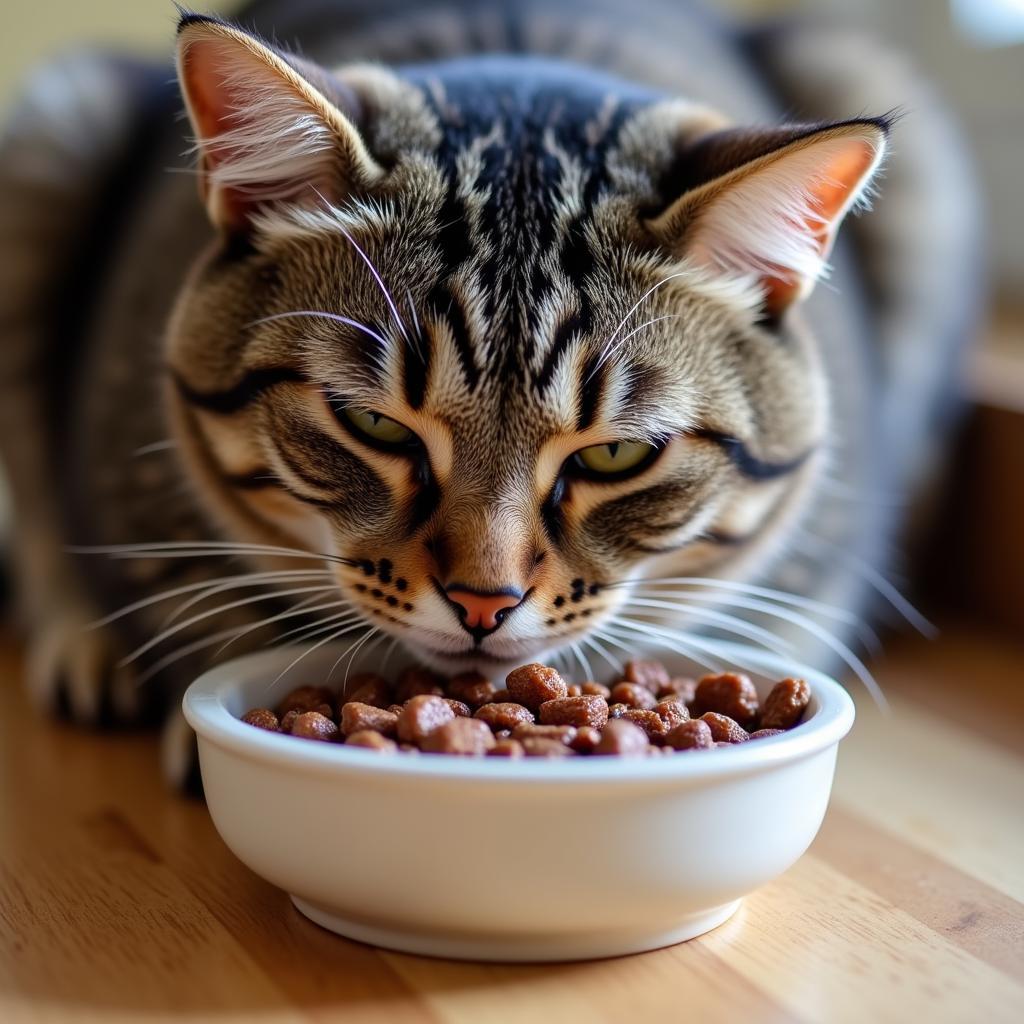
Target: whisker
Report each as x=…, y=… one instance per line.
x=622, y=323
x=729, y=623
x=166, y=595
x=201, y=616
x=636, y=330
x=672, y=644
x=380, y=281
x=302, y=609
x=592, y=641
x=878, y=581
x=285, y=577
x=310, y=629
x=859, y=669
x=584, y=663
x=309, y=650
x=202, y=548
x=336, y=317
x=351, y=658
x=867, y=635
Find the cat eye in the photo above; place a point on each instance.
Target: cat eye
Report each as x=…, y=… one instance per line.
x=615, y=459
x=374, y=428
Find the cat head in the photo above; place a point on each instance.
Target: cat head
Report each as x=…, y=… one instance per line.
x=499, y=335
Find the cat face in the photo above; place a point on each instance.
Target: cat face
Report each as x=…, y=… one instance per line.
x=500, y=337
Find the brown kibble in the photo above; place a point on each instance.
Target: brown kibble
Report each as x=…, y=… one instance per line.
x=416, y=682
x=506, y=748
x=730, y=693
x=617, y=710
x=621, y=737
x=262, y=718
x=650, y=721
x=633, y=695
x=367, y=688
x=592, y=711
x=501, y=696
x=421, y=715
x=651, y=675
x=395, y=709
x=472, y=688
x=724, y=729
x=461, y=710
x=466, y=737
x=372, y=741
x=538, y=746
x=532, y=685
x=356, y=717
x=693, y=735
x=502, y=734
x=680, y=688
x=559, y=733
x=408, y=748
x=505, y=715
x=575, y=690
x=586, y=738
x=311, y=725
x=288, y=719
x=763, y=734
x=306, y=698
x=672, y=711
x=596, y=690
x=785, y=705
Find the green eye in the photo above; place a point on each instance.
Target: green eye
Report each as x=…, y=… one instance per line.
x=614, y=458
x=376, y=427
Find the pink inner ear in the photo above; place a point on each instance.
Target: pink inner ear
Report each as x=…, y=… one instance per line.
x=830, y=194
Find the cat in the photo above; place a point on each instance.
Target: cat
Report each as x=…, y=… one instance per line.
x=502, y=311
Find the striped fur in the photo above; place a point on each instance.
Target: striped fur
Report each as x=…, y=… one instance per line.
x=550, y=284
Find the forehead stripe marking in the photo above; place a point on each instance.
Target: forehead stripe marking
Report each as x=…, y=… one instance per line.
x=446, y=306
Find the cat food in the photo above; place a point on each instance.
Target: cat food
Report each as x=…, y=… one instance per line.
x=538, y=714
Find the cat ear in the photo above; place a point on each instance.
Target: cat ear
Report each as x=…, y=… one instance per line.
x=268, y=128
x=768, y=204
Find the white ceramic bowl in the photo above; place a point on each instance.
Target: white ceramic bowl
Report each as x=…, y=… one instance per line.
x=493, y=859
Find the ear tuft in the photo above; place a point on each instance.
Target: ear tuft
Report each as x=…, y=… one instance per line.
x=775, y=214
x=264, y=132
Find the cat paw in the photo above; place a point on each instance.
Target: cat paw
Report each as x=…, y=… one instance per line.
x=179, y=755
x=73, y=669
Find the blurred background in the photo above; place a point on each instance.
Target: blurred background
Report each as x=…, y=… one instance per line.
x=973, y=51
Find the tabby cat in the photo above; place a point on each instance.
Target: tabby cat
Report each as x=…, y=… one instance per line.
x=494, y=339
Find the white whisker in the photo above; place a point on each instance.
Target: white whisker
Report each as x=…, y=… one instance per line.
x=336, y=317
x=283, y=575
x=622, y=323
x=672, y=644
x=588, y=672
x=303, y=609
x=729, y=623
x=380, y=282
x=201, y=616
x=877, y=580
x=593, y=641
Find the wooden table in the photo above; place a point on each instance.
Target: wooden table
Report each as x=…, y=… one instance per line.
x=119, y=902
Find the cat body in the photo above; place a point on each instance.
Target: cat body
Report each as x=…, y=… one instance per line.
x=479, y=258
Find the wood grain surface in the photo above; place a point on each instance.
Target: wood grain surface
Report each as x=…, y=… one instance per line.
x=119, y=902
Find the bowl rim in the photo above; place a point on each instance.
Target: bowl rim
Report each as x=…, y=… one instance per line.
x=206, y=711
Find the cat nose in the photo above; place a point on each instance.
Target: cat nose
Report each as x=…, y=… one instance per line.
x=482, y=612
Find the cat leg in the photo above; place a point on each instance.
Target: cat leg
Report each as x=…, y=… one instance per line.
x=69, y=126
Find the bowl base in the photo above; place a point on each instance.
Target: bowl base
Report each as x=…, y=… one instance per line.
x=511, y=949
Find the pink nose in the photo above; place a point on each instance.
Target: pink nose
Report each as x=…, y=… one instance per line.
x=482, y=611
